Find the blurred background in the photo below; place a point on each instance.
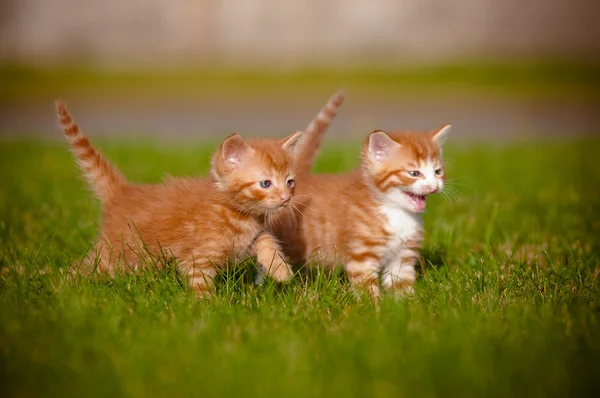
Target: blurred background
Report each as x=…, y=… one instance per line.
x=188, y=69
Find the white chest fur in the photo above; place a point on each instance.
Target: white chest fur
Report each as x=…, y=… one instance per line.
x=403, y=226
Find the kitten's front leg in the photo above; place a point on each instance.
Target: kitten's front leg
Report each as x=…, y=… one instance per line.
x=270, y=258
x=201, y=275
x=400, y=275
x=363, y=272
x=100, y=258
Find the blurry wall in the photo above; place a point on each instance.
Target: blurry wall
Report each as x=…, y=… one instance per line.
x=277, y=32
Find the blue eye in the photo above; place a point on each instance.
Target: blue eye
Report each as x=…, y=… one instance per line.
x=414, y=173
x=291, y=183
x=265, y=183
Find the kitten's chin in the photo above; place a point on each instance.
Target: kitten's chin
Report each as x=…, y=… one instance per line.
x=405, y=200
x=276, y=209
x=416, y=203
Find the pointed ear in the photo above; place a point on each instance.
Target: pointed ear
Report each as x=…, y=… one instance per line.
x=441, y=134
x=290, y=143
x=234, y=149
x=380, y=146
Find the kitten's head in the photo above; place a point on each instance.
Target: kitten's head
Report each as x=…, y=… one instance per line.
x=405, y=167
x=258, y=175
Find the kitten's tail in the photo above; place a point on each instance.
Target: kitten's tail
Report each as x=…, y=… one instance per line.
x=309, y=146
x=102, y=176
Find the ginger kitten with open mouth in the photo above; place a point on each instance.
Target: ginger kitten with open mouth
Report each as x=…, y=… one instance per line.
x=369, y=219
x=204, y=223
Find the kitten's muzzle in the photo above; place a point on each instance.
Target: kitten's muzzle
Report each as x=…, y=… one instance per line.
x=285, y=198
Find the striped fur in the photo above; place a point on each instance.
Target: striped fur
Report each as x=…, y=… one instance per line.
x=366, y=219
x=105, y=180
x=202, y=223
x=310, y=144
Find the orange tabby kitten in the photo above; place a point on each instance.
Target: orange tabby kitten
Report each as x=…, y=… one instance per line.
x=305, y=156
x=369, y=219
x=205, y=223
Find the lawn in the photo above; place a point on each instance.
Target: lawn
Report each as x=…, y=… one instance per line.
x=507, y=304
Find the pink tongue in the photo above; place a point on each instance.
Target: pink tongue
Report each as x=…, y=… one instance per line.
x=420, y=202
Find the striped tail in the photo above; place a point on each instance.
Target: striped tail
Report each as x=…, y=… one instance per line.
x=314, y=133
x=102, y=176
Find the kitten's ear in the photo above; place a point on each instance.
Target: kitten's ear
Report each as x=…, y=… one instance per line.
x=234, y=149
x=290, y=143
x=441, y=134
x=380, y=146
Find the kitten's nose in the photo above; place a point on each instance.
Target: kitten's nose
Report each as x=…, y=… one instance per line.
x=430, y=189
x=285, y=198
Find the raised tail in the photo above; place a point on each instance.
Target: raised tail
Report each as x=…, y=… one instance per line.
x=102, y=176
x=309, y=146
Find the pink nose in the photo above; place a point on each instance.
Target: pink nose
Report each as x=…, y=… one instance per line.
x=285, y=198
x=428, y=189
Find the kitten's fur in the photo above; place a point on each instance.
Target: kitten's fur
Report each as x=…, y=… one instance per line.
x=313, y=134
x=205, y=223
x=305, y=157
x=369, y=219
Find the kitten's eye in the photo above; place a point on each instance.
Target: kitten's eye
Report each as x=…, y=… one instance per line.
x=439, y=172
x=414, y=173
x=291, y=183
x=265, y=183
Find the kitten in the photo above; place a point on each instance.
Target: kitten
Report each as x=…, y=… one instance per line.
x=305, y=156
x=369, y=219
x=205, y=223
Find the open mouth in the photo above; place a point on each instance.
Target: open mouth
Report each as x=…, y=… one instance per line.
x=418, y=202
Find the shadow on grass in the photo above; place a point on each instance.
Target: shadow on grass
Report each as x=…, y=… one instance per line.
x=431, y=257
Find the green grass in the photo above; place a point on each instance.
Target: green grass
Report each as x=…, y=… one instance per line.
x=507, y=304
x=522, y=78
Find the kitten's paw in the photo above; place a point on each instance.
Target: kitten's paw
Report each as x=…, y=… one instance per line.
x=202, y=285
x=281, y=272
x=259, y=279
x=202, y=295
x=367, y=291
x=403, y=289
